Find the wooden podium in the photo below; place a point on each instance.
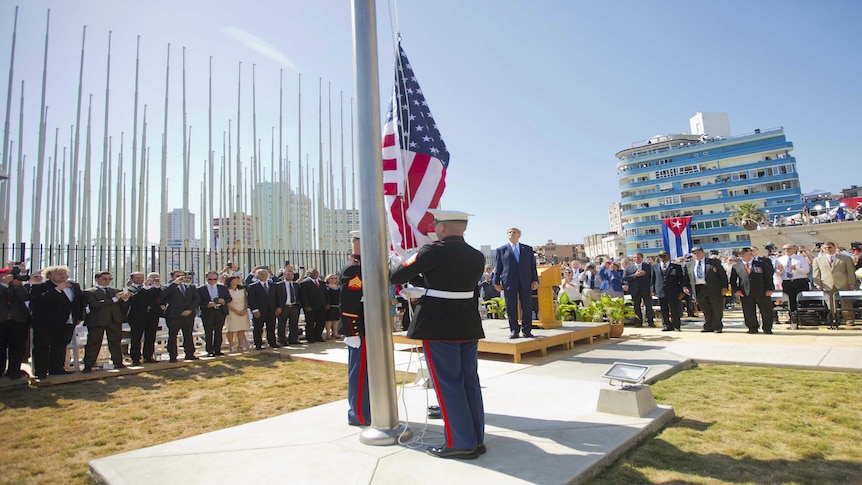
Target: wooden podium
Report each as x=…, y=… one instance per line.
x=549, y=276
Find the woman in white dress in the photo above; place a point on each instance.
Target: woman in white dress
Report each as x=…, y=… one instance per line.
x=237, y=321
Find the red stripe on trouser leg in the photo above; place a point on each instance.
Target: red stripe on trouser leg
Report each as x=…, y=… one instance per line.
x=363, y=363
x=428, y=360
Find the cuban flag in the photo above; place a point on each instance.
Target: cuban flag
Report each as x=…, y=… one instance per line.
x=677, y=236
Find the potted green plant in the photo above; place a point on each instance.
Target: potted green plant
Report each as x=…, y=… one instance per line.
x=567, y=310
x=496, y=307
x=617, y=311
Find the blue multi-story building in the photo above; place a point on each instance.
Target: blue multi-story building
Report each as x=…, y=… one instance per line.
x=706, y=175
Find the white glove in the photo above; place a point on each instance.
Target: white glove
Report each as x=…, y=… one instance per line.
x=353, y=342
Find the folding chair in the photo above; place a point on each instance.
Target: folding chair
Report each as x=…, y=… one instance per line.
x=855, y=299
x=812, y=308
x=781, y=305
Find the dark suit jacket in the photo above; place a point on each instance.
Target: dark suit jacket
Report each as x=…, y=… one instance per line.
x=637, y=284
x=312, y=296
x=103, y=309
x=261, y=300
x=144, y=301
x=714, y=273
x=204, y=293
x=669, y=284
x=173, y=297
x=515, y=274
x=281, y=293
x=758, y=282
x=51, y=307
x=12, y=300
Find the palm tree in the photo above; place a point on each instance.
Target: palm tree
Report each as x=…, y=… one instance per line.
x=747, y=215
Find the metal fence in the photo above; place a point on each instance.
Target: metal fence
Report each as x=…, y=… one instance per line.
x=85, y=261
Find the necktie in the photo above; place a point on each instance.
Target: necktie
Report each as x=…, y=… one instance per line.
x=592, y=281
x=317, y=283
x=663, y=267
x=69, y=294
x=748, y=267
x=699, y=272
x=183, y=289
x=517, y=252
x=831, y=258
x=266, y=287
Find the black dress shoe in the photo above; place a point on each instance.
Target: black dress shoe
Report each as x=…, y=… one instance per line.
x=705, y=330
x=218, y=354
x=528, y=335
x=173, y=359
x=59, y=372
x=275, y=346
x=751, y=331
x=41, y=376
x=290, y=342
x=513, y=335
x=136, y=362
x=258, y=347
x=150, y=361
x=651, y=324
x=666, y=329
x=481, y=449
x=192, y=357
x=85, y=370
x=443, y=452
x=435, y=414
x=767, y=332
x=283, y=343
x=119, y=366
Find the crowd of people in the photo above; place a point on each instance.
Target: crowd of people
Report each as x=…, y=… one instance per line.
x=748, y=277
x=229, y=303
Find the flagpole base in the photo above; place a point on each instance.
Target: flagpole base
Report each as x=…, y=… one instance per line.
x=385, y=437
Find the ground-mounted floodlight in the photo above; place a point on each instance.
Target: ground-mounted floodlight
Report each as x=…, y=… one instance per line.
x=626, y=374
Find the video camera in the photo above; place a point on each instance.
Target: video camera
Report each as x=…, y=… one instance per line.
x=17, y=273
x=817, y=244
x=856, y=246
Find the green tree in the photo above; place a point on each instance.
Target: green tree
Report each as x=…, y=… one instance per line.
x=748, y=216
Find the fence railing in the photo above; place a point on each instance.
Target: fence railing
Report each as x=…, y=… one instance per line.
x=85, y=261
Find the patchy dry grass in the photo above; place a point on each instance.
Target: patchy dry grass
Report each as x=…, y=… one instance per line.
x=51, y=433
x=738, y=425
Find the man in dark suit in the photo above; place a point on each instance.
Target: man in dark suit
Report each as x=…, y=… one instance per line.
x=214, y=298
x=107, y=314
x=666, y=283
x=708, y=283
x=751, y=280
x=287, y=308
x=516, y=277
x=14, y=323
x=637, y=276
x=182, y=300
x=144, y=311
x=58, y=306
x=261, y=302
x=315, y=302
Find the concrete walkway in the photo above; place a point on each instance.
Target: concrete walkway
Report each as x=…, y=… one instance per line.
x=541, y=427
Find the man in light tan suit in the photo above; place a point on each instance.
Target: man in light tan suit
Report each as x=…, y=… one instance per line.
x=834, y=272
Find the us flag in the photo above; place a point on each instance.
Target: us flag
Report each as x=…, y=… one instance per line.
x=415, y=160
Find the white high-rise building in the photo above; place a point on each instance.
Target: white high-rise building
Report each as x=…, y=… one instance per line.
x=615, y=217
x=176, y=218
x=284, y=219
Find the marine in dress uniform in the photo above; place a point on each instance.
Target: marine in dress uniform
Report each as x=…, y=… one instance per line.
x=352, y=326
x=448, y=323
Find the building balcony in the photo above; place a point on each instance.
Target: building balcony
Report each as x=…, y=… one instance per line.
x=646, y=151
x=721, y=183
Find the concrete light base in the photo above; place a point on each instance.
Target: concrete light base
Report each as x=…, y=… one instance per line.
x=635, y=401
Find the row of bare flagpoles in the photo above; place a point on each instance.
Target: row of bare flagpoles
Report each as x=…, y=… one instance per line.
x=285, y=214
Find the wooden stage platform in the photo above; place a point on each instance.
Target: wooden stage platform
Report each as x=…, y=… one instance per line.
x=497, y=341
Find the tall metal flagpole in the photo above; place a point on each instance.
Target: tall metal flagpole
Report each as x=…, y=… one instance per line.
x=343, y=237
x=163, y=237
x=119, y=220
x=352, y=167
x=186, y=132
x=76, y=148
x=143, y=192
x=281, y=225
x=206, y=218
x=237, y=223
x=301, y=213
x=19, y=192
x=331, y=209
x=385, y=428
x=5, y=191
x=36, y=234
x=319, y=199
x=86, y=226
x=255, y=160
x=106, y=161
x=133, y=214
x=50, y=229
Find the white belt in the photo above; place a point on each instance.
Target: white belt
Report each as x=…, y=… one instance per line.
x=452, y=295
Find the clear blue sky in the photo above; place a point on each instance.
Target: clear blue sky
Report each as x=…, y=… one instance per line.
x=533, y=98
